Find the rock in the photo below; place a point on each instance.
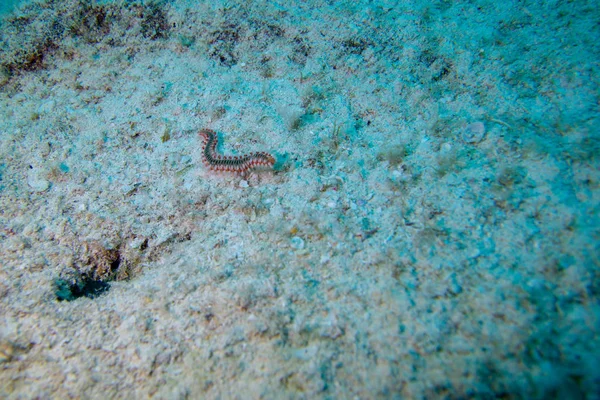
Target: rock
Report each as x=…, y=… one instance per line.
x=474, y=132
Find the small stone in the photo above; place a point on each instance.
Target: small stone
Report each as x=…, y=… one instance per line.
x=7, y=351
x=446, y=147
x=474, y=132
x=36, y=181
x=47, y=107
x=137, y=243
x=297, y=243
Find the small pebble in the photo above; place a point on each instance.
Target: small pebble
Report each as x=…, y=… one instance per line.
x=297, y=243
x=36, y=181
x=7, y=351
x=47, y=107
x=474, y=132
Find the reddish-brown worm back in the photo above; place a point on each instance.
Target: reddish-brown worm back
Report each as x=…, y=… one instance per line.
x=239, y=164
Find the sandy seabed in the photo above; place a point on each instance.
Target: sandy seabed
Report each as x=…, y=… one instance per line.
x=430, y=228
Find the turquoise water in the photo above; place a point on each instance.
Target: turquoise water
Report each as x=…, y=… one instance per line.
x=7, y=6
x=431, y=228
